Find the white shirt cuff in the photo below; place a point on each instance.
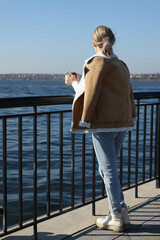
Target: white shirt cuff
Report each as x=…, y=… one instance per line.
x=84, y=124
x=75, y=85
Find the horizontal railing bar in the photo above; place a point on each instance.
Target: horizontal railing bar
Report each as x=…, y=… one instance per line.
x=146, y=95
x=147, y=104
x=32, y=114
x=55, y=100
x=16, y=229
x=138, y=184
x=35, y=101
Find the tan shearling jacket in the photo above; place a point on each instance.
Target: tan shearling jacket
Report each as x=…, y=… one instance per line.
x=107, y=101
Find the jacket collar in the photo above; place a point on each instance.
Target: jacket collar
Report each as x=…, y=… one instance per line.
x=101, y=55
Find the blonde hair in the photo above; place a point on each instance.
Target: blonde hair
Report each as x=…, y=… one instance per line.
x=104, y=38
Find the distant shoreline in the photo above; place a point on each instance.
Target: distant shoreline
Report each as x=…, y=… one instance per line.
x=60, y=77
x=24, y=76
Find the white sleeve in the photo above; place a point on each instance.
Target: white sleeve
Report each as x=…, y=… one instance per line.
x=75, y=85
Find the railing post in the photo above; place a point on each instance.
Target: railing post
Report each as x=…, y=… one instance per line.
x=158, y=148
x=137, y=151
x=83, y=167
x=4, y=210
x=20, y=171
x=48, y=163
x=61, y=163
x=35, y=173
x=72, y=168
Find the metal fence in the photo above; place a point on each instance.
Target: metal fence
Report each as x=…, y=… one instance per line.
x=49, y=171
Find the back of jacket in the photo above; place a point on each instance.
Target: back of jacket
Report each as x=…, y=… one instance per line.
x=107, y=101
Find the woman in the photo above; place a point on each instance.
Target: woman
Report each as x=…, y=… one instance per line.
x=104, y=106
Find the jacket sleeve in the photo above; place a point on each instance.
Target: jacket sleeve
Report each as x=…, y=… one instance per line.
x=93, y=81
x=133, y=105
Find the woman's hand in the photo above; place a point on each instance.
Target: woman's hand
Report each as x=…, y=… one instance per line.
x=70, y=78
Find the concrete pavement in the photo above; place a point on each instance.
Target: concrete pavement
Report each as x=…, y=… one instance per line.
x=80, y=224
x=145, y=220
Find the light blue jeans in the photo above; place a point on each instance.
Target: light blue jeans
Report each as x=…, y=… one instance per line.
x=107, y=146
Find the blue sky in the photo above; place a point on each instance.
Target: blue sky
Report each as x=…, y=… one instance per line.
x=54, y=36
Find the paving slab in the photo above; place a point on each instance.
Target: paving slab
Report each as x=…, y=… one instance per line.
x=145, y=212
x=149, y=230
x=96, y=234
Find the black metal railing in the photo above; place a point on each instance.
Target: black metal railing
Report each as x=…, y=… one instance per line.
x=47, y=171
